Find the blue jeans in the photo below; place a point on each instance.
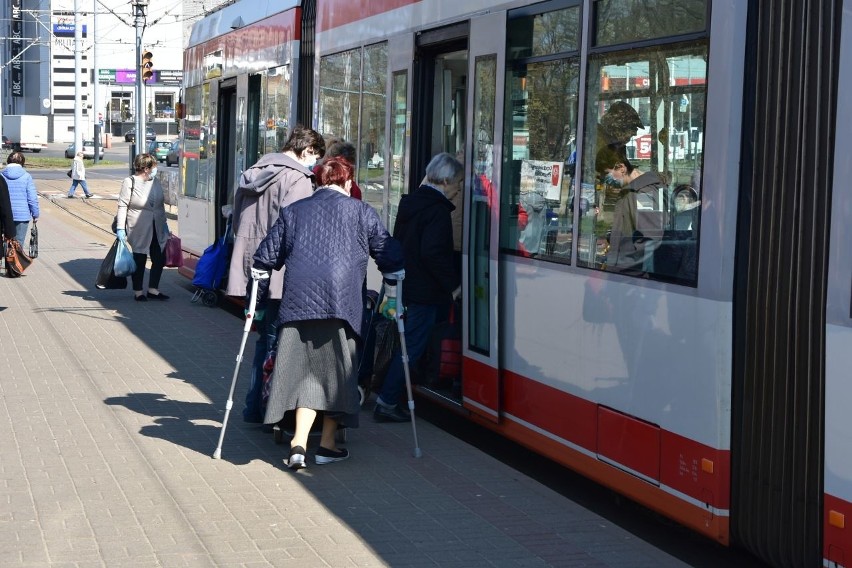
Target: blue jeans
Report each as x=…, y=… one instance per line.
x=75, y=183
x=267, y=340
x=21, y=230
x=419, y=321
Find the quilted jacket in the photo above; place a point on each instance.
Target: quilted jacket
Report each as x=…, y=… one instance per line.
x=324, y=241
x=424, y=227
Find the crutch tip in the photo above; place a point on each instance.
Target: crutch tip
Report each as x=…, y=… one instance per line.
x=217, y=454
x=418, y=453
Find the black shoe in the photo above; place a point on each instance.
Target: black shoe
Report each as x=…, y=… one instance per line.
x=392, y=414
x=297, y=458
x=324, y=455
x=70, y=196
x=141, y=298
x=88, y=196
x=159, y=296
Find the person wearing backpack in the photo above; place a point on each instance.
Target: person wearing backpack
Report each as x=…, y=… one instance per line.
x=274, y=182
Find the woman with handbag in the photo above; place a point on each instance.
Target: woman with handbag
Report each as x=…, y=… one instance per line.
x=141, y=222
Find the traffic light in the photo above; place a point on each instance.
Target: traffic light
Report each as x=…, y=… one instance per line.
x=147, y=66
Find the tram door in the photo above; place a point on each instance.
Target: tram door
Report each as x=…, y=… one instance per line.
x=455, y=109
x=224, y=151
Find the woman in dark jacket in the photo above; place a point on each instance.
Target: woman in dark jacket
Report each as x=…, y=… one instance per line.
x=324, y=241
x=425, y=229
x=7, y=221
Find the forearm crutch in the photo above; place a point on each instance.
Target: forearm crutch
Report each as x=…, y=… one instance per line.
x=400, y=325
x=256, y=276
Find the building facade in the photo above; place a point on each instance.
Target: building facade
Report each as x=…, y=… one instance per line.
x=37, y=63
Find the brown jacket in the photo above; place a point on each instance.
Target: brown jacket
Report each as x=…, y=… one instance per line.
x=275, y=181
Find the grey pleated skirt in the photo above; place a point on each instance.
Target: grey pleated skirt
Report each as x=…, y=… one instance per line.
x=315, y=367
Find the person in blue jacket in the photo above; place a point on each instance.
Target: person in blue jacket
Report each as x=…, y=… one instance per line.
x=22, y=193
x=324, y=241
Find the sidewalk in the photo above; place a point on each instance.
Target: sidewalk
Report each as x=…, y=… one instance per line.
x=111, y=409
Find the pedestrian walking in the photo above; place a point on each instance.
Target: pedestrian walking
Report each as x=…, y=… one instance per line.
x=78, y=176
x=22, y=194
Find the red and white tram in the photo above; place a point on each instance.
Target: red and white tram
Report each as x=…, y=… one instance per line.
x=705, y=373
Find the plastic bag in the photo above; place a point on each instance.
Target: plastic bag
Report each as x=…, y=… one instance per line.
x=107, y=280
x=124, y=263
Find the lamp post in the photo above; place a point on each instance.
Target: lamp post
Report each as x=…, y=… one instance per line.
x=140, y=8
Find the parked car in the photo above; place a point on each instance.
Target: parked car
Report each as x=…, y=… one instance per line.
x=130, y=135
x=7, y=143
x=173, y=156
x=88, y=150
x=159, y=149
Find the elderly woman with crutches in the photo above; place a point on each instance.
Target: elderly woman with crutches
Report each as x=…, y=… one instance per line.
x=324, y=241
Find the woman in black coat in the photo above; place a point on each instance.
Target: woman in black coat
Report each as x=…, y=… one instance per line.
x=324, y=241
x=7, y=221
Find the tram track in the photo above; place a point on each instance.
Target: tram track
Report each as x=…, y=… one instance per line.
x=60, y=202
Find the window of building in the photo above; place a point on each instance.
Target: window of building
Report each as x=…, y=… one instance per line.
x=164, y=105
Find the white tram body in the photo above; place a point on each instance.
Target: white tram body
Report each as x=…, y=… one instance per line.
x=640, y=373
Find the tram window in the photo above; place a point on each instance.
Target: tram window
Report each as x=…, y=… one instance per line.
x=371, y=142
x=626, y=21
x=340, y=95
x=272, y=132
x=643, y=155
x=191, y=145
x=540, y=125
x=544, y=34
x=353, y=106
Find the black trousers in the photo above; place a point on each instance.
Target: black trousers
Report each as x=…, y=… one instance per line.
x=158, y=260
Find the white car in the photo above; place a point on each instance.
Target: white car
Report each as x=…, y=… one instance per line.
x=88, y=150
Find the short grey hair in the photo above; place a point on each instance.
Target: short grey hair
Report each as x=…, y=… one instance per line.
x=444, y=169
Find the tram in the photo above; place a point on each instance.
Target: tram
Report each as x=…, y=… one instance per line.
x=687, y=345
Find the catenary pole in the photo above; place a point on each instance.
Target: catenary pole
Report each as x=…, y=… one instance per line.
x=96, y=107
x=139, y=8
x=78, y=78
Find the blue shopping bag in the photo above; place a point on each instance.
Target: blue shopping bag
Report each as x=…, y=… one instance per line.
x=124, y=263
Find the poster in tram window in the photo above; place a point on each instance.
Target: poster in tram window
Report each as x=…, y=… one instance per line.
x=542, y=177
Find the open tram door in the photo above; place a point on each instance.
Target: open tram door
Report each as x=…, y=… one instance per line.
x=455, y=109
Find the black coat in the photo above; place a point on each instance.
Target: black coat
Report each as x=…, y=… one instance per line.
x=324, y=241
x=425, y=229
x=7, y=221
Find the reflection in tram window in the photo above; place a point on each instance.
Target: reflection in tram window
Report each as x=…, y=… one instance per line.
x=191, y=135
x=664, y=89
x=538, y=199
x=273, y=131
x=623, y=21
x=352, y=106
